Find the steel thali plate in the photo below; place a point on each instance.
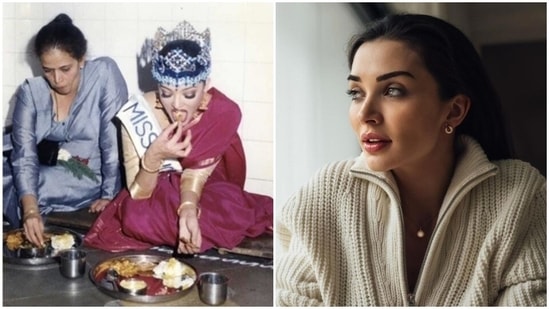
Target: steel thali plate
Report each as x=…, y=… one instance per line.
x=49, y=256
x=156, y=292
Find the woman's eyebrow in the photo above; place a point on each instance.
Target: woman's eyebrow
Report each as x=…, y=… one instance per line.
x=353, y=78
x=393, y=74
x=383, y=76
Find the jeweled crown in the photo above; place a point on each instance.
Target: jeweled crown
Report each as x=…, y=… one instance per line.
x=176, y=67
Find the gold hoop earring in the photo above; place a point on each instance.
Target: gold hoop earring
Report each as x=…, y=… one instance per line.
x=448, y=129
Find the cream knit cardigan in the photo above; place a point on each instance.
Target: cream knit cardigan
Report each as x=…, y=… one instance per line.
x=341, y=239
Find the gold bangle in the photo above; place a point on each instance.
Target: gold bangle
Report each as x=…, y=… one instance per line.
x=148, y=170
x=189, y=204
x=29, y=213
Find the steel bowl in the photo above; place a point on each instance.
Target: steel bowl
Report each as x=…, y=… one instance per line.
x=133, y=286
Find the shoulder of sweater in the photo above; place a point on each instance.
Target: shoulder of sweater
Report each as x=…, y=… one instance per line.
x=329, y=180
x=517, y=187
x=517, y=172
x=337, y=170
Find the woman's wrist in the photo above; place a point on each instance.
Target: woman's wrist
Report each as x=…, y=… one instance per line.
x=188, y=205
x=147, y=168
x=30, y=211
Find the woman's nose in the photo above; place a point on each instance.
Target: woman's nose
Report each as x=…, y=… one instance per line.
x=369, y=111
x=56, y=77
x=177, y=102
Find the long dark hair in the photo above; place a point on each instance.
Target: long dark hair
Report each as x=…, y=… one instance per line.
x=456, y=66
x=61, y=33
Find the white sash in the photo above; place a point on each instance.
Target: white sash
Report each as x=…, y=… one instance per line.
x=143, y=128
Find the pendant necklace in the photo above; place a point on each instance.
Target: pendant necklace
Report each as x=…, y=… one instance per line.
x=420, y=233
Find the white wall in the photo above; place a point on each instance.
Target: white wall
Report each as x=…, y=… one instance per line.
x=311, y=79
x=242, y=56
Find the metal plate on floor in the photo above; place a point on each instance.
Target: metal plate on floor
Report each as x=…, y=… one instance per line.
x=30, y=256
x=141, y=267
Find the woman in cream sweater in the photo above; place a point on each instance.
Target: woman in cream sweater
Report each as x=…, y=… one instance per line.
x=433, y=212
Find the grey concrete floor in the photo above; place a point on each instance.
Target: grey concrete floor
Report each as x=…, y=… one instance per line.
x=251, y=281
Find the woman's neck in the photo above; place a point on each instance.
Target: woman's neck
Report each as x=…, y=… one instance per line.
x=423, y=187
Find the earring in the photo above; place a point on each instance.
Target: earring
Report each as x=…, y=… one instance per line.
x=157, y=103
x=203, y=105
x=448, y=129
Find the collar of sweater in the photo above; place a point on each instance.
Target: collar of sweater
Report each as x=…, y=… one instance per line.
x=472, y=168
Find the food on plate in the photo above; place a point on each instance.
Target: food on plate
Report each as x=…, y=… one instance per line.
x=62, y=242
x=124, y=267
x=127, y=268
x=18, y=240
x=173, y=274
x=14, y=240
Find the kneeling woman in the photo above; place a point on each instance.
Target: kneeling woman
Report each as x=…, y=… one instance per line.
x=203, y=206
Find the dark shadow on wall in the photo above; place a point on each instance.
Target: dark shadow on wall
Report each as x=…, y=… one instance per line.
x=144, y=68
x=32, y=59
x=522, y=87
x=145, y=80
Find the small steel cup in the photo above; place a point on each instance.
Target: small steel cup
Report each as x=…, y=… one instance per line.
x=72, y=263
x=212, y=288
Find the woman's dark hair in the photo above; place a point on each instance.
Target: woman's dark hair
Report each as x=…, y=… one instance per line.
x=456, y=66
x=61, y=33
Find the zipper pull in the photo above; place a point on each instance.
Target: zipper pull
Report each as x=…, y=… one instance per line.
x=411, y=300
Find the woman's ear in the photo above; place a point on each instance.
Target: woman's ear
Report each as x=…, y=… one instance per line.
x=459, y=107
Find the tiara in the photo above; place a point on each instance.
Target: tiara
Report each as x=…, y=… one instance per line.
x=176, y=67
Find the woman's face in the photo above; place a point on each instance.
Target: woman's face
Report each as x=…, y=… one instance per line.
x=61, y=70
x=395, y=110
x=181, y=103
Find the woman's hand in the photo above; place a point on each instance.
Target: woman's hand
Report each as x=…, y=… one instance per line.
x=99, y=205
x=190, y=238
x=34, y=228
x=168, y=144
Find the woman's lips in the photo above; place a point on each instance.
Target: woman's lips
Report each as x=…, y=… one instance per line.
x=374, y=143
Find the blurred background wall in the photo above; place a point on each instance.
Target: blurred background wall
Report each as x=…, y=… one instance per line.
x=311, y=105
x=242, y=56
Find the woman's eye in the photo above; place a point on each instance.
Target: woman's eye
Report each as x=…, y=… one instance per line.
x=165, y=95
x=189, y=95
x=65, y=69
x=354, y=94
x=394, y=92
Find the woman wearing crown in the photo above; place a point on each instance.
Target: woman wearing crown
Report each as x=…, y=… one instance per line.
x=204, y=205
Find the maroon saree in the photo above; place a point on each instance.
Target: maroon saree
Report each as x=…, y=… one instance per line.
x=228, y=212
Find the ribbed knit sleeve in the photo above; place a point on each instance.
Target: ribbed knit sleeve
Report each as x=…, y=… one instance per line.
x=332, y=244
x=524, y=279
x=296, y=281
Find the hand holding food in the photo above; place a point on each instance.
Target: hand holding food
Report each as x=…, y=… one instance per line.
x=170, y=144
